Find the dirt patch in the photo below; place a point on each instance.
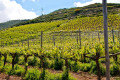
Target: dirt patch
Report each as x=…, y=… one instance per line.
x=6, y=77
x=78, y=76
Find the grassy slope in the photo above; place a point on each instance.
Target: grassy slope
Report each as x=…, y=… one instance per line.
x=10, y=23
x=71, y=13
x=25, y=32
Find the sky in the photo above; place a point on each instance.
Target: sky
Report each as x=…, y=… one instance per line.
x=30, y=9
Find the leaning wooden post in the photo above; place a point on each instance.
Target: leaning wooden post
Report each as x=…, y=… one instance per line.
x=113, y=36
x=41, y=39
x=106, y=40
x=80, y=37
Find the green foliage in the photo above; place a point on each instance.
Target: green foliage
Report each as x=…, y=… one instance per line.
x=65, y=75
x=94, y=68
x=25, y=32
x=75, y=67
x=32, y=61
x=11, y=23
x=33, y=74
x=114, y=69
x=72, y=13
x=85, y=67
x=58, y=64
x=43, y=74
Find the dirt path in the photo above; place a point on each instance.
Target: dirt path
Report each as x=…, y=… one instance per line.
x=6, y=77
x=79, y=76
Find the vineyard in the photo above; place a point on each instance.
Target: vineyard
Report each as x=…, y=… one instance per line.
x=67, y=45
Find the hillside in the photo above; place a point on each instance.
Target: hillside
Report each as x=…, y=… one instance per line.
x=10, y=23
x=71, y=13
x=31, y=31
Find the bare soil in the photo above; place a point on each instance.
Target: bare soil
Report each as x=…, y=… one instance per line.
x=79, y=76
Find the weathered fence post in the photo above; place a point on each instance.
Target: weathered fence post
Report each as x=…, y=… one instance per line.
x=80, y=37
x=12, y=41
x=41, y=39
x=99, y=36
x=113, y=36
x=67, y=69
x=25, y=64
x=98, y=66
x=92, y=36
x=43, y=67
x=119, y=37
x=106, y=39
x=77, y=38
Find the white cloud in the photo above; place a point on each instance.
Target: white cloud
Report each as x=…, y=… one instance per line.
x=23, y=1
x=79, y=4
x=35, y=0
x=10, y=10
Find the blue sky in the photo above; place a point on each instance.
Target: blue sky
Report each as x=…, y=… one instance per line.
x=30, y=9
x=47, y=5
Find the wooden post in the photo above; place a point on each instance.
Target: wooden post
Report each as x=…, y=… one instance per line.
x=77, y=38
x=80, y=37
x=67, y=69
x=98, y=66
x=25, y=64
x=5, y=59
x=98, y=36
x=113, y=36
x=119, y=37
x=43, y=67
x=106, y=40
x=88, y=37
x=13, y=60
x=41, y=39
x=54, y=40
x=92, y=37
x=12, y=41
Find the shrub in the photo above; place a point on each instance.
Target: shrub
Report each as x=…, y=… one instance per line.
x=58, y=64
x=46, y=63
x=16, y=71
x=85, y=67
x=94, y=68
x=32, y=61
x=114, y=70
x=75, y=67
x=65, y=75
x=32, y=74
